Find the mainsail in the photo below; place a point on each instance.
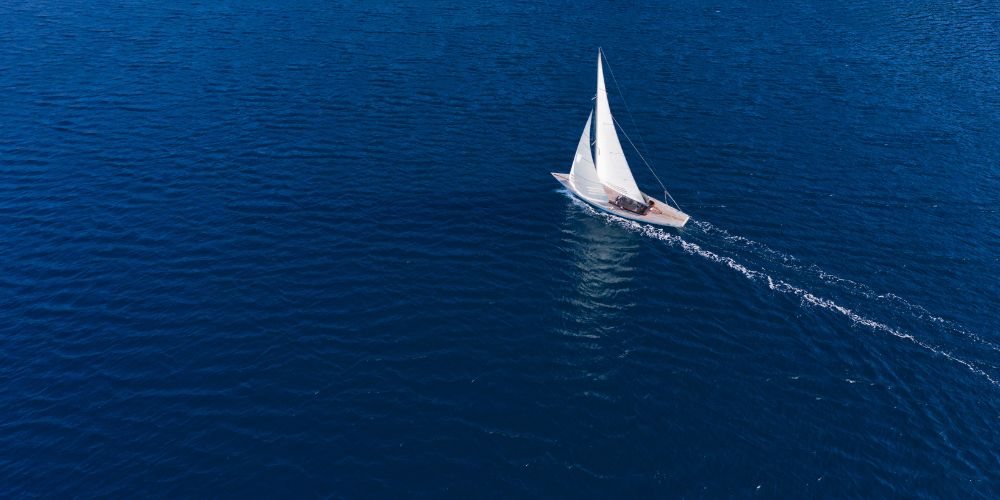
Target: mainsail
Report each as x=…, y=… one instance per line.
x=607, y=183
x=612, y=168
x=584, y=174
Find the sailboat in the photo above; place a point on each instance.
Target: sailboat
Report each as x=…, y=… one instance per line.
x=607, y=183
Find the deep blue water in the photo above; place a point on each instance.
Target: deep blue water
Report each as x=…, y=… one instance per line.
x=311, y=249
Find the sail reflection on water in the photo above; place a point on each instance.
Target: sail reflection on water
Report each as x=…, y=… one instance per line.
x=603, y=272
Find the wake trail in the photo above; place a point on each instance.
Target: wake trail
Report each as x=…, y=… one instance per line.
x=900, y=304
x=781, y=286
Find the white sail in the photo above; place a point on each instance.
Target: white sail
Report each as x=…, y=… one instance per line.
x=583, y=175
x=612, y=167
x=609, y=176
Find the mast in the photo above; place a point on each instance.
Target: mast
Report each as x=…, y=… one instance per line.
x=612, y=167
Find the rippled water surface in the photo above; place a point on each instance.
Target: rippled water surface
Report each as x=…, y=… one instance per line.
x=314, y=249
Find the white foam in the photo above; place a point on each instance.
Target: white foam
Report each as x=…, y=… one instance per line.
x=733, y=238
x=790, y=261
x=782, y=286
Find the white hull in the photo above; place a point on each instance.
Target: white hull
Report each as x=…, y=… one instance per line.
x=660, y=215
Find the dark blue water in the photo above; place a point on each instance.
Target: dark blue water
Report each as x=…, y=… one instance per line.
x=312, y=249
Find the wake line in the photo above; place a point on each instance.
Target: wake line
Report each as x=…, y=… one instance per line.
x=918, y=311
x=851, y=286
x=781, y=286
x=709, y=228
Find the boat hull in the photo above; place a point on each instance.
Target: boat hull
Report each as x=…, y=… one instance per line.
x=660, y=215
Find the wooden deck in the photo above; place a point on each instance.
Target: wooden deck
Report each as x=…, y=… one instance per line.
x=660, y=214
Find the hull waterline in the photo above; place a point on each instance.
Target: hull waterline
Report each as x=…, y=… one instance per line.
x=660, y=215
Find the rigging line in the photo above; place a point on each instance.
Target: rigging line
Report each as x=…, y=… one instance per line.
x=624, y=101
x=636, y=128
x=643, y=158
x=621, y=94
